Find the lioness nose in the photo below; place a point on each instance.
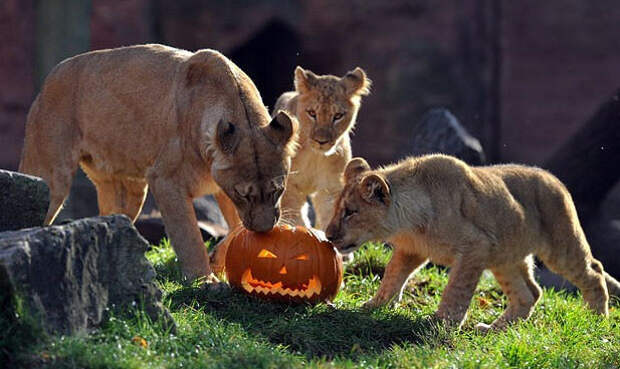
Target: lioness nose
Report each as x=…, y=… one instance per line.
x=330, y=233
x=283, y=270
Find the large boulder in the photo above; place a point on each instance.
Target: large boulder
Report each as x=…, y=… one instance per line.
x=440, y=132
x=24, y=201
x=69, y=276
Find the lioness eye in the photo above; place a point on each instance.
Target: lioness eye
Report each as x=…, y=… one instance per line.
x=302, y=257
x=312, y=113
x=348, y=212
x=338, y=116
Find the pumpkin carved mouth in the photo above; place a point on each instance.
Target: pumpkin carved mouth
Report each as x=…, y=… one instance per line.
x=308, y=289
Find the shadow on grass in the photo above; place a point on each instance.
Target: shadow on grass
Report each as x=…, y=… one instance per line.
x=321, y=331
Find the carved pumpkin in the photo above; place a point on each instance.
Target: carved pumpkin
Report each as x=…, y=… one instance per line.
x=285, y=264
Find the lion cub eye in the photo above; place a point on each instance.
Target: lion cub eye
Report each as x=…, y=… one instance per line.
x=338, y=116
x=302, y=257
x=264, y=253
x=312, y=113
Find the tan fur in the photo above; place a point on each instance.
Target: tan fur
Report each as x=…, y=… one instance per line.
x=325, y=146
x=316, y=167
x=438, y=208
x=184, y=124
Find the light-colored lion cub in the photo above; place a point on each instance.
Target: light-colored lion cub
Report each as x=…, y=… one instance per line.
x=326, y=108
x=470, y=218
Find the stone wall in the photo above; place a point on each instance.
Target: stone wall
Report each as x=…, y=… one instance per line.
x=521, y=76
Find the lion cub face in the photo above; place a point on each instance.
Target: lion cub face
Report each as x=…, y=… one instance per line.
x=361, y=210
x=327, y=105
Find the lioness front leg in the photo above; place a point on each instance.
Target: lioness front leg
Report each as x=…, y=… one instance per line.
x=218, y=256
x=462, y=281
x=401, y=266
x=180, y=221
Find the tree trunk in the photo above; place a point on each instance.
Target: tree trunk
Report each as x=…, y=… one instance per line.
x=589, y=162
x=62, y=31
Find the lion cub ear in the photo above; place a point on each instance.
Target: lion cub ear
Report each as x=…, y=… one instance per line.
x=304, y=80
x=354, y=168
x=374, y=189
x=227, y=137
x=356, y=82
x=281, y=129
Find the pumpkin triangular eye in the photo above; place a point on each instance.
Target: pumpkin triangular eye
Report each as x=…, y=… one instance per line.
x=264, y=253
x=302, y=257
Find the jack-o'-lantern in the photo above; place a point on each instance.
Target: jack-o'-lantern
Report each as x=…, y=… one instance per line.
x=285, y=264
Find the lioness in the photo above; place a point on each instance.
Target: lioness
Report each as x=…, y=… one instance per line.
x=471, y=218
x=184, y=124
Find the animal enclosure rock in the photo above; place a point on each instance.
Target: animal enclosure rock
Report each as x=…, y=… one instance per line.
x=24, y=201
x=69, y=276
x=440, y=132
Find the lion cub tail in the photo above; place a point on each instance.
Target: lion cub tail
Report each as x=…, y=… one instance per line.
x=613, y=286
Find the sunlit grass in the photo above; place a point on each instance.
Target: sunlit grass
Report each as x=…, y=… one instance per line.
x=227, y=329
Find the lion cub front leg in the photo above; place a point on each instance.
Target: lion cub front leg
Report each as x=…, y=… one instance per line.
x=293, y=199
x=401, y=266
x=462, y=281
x=180, y=221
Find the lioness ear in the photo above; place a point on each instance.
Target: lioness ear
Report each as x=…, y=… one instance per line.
x=354, y=168
x=355, y=82
x=227, y=136
x=374, y=188
x=281, y=128
x=304, y=80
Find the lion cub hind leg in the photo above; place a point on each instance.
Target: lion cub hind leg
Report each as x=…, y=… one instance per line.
x=581, y=269
x=517, y=282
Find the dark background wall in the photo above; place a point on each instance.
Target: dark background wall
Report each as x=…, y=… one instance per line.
x=521, y=76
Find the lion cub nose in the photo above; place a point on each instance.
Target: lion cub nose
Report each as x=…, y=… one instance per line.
x=283, y=270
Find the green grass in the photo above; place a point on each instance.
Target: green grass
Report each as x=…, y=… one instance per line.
x=226, y=329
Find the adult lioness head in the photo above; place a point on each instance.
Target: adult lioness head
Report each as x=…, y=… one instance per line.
x=250, y=153
x=327, y=105
x=362, y=210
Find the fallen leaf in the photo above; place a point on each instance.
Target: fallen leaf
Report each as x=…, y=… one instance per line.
x=140, y=341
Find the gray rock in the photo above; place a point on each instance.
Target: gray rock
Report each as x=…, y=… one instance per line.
x=24, y=201
x=440, y=132
x=69, y=276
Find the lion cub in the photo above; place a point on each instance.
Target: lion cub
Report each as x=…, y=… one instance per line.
x=326, y=108
x=471, y=218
